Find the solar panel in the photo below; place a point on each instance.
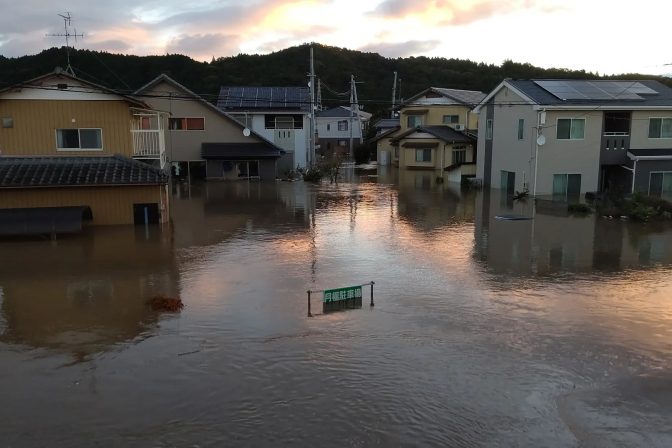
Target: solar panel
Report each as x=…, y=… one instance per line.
x=596, y=90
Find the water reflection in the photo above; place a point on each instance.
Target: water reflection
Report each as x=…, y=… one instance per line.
x=551, y=244
x=85, y=294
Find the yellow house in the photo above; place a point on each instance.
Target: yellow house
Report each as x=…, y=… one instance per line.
x=66, y=155
x=445, y=107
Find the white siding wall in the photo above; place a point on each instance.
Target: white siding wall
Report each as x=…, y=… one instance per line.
x=301, y=137
x=639, y=136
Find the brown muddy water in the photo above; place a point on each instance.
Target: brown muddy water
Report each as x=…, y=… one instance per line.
x=555, y=331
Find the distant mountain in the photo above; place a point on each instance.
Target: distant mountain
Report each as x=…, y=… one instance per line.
x=288, y=67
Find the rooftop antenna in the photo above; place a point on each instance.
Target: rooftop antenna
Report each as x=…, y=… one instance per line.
x=67, y=21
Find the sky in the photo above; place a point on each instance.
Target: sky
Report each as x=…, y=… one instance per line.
x=604, y=36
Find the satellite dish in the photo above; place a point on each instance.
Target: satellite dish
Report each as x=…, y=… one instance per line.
x=246, y=132
x=541, y=140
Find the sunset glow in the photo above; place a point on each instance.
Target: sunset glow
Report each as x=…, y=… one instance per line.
x=548, y=33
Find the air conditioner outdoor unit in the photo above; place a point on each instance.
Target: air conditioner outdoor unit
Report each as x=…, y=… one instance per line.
x=459, y=127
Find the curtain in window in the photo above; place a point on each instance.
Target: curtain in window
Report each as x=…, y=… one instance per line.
x=564, y=126
x=654, y=127
x=667, y=186
x=90, y=138
x=578, y=129
x=666, y=128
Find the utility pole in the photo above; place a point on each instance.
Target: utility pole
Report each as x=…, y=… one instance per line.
x=354, y=114
x=68, y=35
x=319, y=94
x=311, y=154
x=394, y=95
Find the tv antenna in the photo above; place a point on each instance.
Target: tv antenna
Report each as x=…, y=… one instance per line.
x=67, y=23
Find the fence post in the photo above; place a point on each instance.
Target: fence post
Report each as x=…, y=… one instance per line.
x=372, y=283
x=309, y=313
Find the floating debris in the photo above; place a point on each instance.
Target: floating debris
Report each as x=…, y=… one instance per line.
x=169, y=304
x=513, y=217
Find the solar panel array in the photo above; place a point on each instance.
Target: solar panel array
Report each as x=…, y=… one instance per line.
x=297, y=98
x=596, y=90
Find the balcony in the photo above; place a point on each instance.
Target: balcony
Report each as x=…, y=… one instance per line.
x=148, y=136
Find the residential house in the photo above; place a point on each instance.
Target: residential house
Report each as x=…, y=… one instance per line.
x=385, y=124
x=66, y=154
x=204, y=141
x=384, y=148
x=438, y=148
x=563, y=138
x=339, y=131
x=437, y=132
x=281, y=115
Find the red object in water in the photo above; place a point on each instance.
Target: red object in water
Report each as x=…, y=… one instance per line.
x=160, y=303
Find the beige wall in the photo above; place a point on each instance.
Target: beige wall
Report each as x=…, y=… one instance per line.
x=509, y=153
x=570, y=156
x=435, y=113
x=109, y=205
x=36, y=121
x=639, y=135
x=186, y=145
x=442, y=154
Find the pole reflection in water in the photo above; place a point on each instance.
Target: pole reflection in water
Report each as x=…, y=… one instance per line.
x=549, y=332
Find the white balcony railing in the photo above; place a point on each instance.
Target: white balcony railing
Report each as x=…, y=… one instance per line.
x=147, y=143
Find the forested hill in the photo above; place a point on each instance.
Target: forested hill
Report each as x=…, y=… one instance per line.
x=283, y=68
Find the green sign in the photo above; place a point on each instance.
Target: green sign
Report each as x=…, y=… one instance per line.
x=340, y=294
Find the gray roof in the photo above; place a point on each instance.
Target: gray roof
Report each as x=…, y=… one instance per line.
x=239, y=151
x=445, y=133
x=66, y=171
x=651, y=152
x=467, y=97
x=383, y=134
x=539, y=95
x=386, y=123
x=264, y=98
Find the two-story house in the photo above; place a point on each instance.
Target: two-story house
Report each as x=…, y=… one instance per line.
x=339, y=130
x=200, y=138
x=66, y=154
x=437, y=132
x=281, y=115
x=563, y=138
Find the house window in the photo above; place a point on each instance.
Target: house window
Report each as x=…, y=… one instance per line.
x=286, y=122
x=343, y=125
x=451, y=119
x=660, y=127
x=87, y=139
x=488, y=129
x=459, y=156
x=414, y=121
x=186, y=124
x=660, y=184
x=328, y=127
x=396, y=152
x=571, y=128
x=521, y=128
x=566, y=186
x=423, y=155
x=283, y=121
x=342, y=143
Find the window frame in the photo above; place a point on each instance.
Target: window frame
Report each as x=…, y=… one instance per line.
x=521, y=129
x=489, y=128
x=424, y=152
x=414, y=117
x=185, y=124
x=342, y=125
x=455, y=116
x=79, y=139
x=660, y=133
x=566, y=196
x=662, y=184
x=571, y=125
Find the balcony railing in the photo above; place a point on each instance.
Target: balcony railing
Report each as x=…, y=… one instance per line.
x=147, y=143
x=612, y=141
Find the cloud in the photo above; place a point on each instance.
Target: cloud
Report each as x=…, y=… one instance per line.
x=112, y=45
x=402, y=49
x=458, y=12
x=203, y=46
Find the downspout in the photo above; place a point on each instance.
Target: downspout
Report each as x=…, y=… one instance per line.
x=634, y=172
x=536, y=154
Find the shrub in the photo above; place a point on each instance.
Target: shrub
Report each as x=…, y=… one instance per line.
x=313, y=174
x=579, y=209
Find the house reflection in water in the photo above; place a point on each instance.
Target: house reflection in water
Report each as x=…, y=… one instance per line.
x=85, y=294
x=550, y=244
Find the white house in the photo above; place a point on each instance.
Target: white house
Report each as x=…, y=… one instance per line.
x=339, y=130
x=281, y=115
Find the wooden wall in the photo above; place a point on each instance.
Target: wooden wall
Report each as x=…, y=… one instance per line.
x=109, y=205
x=36, y=121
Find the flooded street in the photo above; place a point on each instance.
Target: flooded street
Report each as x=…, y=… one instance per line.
x=554, y=331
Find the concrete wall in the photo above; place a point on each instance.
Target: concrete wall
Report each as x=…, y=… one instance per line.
x=182, y=146
x=109, y=205
x=36, y=121
x=327, y=128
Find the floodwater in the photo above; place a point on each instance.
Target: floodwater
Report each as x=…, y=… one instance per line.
x=554, y=331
